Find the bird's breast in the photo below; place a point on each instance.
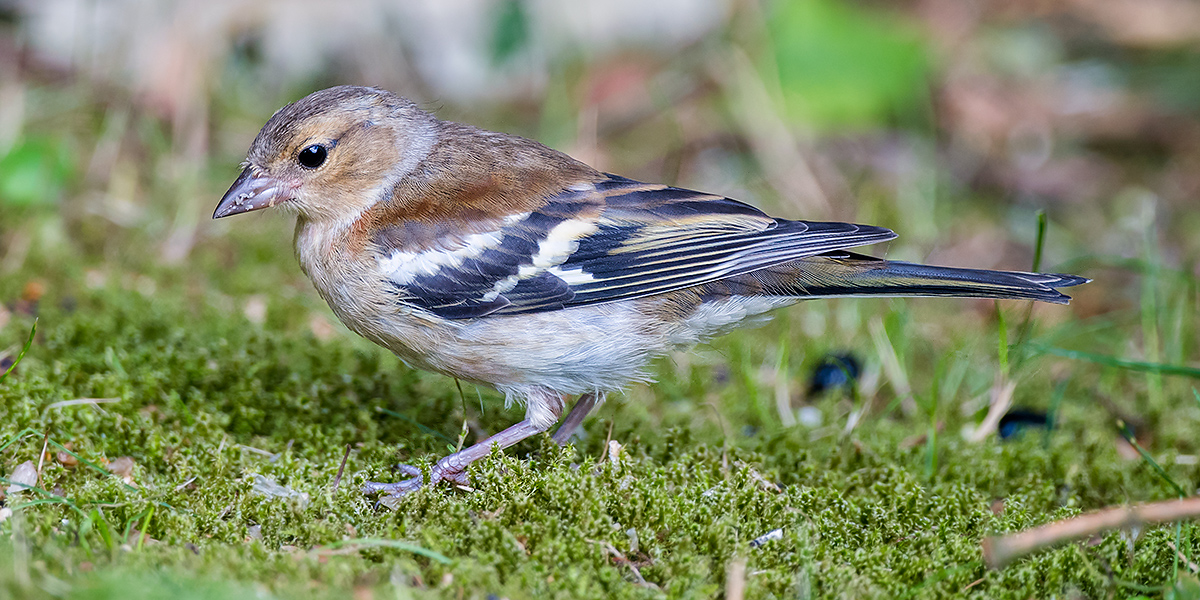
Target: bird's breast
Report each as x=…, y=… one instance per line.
x=353, y=282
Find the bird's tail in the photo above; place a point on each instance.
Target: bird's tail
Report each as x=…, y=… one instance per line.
x=849, y=274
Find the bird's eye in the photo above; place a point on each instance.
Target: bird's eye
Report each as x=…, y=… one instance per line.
x=312, y=156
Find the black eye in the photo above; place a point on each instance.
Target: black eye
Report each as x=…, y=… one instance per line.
x=312, y=156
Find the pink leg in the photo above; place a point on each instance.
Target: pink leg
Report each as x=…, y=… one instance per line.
x=542, y=411
x=570, y=425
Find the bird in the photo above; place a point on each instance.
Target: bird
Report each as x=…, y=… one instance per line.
x=497, y=260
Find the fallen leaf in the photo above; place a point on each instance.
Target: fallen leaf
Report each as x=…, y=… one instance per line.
x=123, y=468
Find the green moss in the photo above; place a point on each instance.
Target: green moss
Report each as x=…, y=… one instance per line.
x=204, y=403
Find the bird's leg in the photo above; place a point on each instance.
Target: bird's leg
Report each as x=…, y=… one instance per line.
x=570, y=425
x=542, y=410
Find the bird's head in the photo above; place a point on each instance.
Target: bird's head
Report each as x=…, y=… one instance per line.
x=332, y=154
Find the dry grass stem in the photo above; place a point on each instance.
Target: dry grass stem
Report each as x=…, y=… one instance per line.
x=78, y=401
x=1000, y=551
x=735, y=579
x=1002, y=394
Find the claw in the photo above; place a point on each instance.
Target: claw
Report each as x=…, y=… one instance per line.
x=445, y=470
x=410, y=470
x=454, y=467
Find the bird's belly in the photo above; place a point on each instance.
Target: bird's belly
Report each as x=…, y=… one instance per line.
x=571, y=351
x=600, y=347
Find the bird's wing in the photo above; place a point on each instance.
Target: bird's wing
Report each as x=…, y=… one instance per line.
x=612, y=240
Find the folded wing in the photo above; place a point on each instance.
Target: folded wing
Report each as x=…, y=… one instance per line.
x=614, y=240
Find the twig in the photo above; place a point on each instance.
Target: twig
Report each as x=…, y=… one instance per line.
x=607, y=439
x=1002, y=393
x=341, y=468
x=1193, y=567
x=890, y=362
x=254, y=450
x=783, y=392
x=622, y=559
x=41, y=457
x=229, y=507
x=735, y=579
x=999, y=551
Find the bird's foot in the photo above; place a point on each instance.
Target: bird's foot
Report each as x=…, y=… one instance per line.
x=447, y=469
x=454, y=467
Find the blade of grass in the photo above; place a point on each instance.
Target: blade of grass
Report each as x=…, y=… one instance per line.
x=55, y=498
x=940, y=576
x=462, y=433
x=1001, y=340
x=145, y=528
x=18, y=436
x=1120, y=363
x=103, y=529
x=1125, y=433
x=931, y=438
x=931, y=463
x=1060, y=391
x=748, y=375
x=131, y=522
x=29, y=432
x=783, y=395
x=94, y=466
x=422, y=428
x=39, y=501
x=1040, y=243
x=1027, y=323
x=83, y=531
x=24, y=349
x=890, y=360
x=1151, y=345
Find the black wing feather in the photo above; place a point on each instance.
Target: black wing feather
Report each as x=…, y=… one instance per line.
x=645, y=240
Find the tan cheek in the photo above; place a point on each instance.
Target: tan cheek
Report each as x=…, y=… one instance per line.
x=361, y=168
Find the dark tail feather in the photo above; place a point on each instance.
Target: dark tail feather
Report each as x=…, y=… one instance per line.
x=847, y=274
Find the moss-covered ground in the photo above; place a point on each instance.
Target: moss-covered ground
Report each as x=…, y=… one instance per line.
x=226, y=374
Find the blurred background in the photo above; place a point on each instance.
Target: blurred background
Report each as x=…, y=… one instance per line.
x=953, y=122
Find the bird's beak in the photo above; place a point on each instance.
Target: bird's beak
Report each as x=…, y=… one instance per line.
x=252, y=191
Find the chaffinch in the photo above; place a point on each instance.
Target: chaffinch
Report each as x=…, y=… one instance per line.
x=497, y=260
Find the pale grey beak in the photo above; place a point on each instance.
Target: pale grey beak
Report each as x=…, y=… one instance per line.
x=252, y=191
